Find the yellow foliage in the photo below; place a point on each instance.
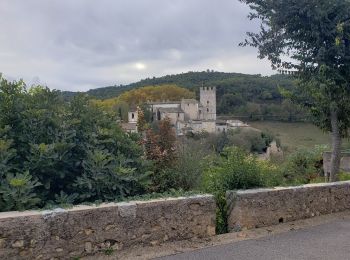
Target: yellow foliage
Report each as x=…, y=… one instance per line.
x=149, y=93
x=155, y=93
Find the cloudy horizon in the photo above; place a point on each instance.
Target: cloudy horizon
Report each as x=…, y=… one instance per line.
x=79, y=45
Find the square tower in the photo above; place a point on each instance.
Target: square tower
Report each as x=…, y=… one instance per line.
x=208, y=101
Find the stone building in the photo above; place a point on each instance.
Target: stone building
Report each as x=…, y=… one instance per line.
x=190, y=115
x=131, y=126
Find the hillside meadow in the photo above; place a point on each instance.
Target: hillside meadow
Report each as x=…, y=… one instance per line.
x=297, y=134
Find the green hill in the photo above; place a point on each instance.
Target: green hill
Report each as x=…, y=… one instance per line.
x=242, y=95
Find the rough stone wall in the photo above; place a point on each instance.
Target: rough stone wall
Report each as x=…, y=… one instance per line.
x=266, y=207
x=344, y=162
x=83, y=230
x=191, y=110
x=174, y=117
x=209, y=126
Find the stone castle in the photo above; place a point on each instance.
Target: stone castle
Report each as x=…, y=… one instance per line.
x=187, y=115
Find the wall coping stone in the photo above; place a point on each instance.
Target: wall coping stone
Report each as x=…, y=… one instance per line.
x=26, y=213
x=315, y=185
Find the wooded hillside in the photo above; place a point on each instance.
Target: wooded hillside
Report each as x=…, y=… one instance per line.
x=247, y=96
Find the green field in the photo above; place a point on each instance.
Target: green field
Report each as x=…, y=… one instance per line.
x=296, y=135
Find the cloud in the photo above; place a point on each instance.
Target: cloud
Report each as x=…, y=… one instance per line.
x=82, y=44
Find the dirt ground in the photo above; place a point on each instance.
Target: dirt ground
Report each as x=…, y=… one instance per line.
x=170, y=248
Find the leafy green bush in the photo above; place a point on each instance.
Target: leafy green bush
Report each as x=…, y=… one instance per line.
x=17, y=192
x=236, y=169
x=233, y=169
x=76, y=151
x=303, y=166
x=107, y=177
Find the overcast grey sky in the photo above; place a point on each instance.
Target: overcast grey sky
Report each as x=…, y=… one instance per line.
x=83, y=44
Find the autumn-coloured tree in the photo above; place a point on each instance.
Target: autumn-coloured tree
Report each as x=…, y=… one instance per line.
x=160, y=147
x=155, y=93
x=141, y=121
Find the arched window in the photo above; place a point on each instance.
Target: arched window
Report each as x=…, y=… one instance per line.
x=208, y=110
x=132, y=116
x=208, y=102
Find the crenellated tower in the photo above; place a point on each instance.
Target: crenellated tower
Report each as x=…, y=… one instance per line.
x=208, y=101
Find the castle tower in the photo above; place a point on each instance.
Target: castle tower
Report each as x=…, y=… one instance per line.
x=208, y=101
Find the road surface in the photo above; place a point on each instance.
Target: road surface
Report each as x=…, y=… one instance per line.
x=326, y=241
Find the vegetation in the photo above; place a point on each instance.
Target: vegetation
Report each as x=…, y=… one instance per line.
x=295, y=135
x=52, y=152
x=142, y=95
x=251, y=97
x=303, y=166
x=315, y=35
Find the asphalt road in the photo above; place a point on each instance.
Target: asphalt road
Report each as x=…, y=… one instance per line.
x=327, y=241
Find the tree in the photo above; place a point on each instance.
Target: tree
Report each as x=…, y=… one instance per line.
x=155, y=93
x=141, y=121
x=160, y=147
x=314, y=35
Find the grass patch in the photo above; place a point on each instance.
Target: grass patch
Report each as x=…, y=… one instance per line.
x=297, y=135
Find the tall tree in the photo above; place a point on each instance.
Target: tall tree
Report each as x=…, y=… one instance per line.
x=160, y=147
x=311, y=37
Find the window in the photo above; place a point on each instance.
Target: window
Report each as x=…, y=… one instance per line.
x=132, y=116
x=208, y=110
x=178, y=115
x=208, y=102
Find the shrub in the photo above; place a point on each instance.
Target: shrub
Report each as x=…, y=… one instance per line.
x=71, y=148
x=186, y=173
x=303, y=166
x=233, y=169
x=107, y=177
x=236, y=169
x=17, y=192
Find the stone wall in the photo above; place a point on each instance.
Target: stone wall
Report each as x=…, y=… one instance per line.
x=266, y=207
x=83, y=230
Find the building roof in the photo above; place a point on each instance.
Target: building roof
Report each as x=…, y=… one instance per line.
x=170, y=110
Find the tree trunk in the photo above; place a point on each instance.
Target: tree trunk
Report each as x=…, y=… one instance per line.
x=336, y=146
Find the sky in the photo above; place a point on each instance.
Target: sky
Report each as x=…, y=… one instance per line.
x=77, y=45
